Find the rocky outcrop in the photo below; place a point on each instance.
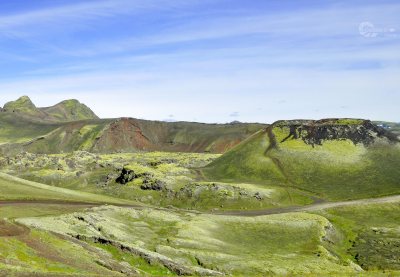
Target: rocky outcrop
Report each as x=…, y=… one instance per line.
x=153, y=185
x=126, y=176
x=148, y=181
x=315, y=132
x=152, y=257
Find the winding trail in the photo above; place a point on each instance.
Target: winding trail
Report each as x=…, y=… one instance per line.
x=291, y=209
x=314, y=207
x=39, y=202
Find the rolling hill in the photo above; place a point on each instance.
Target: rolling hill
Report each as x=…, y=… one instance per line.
x=333, y=158
x=68, y=110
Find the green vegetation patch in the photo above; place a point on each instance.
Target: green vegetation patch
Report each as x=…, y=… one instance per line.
x=372, y=232
x=277, y=244
x=39, y=252
x=335, y=170
x=142, y=266
x=14, y=188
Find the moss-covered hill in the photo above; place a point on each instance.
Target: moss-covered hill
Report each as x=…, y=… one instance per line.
x=124, y=135
x=69, y=110
x=335, y=158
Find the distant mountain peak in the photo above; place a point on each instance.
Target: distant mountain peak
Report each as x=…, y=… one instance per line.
x=67, y=110
x=70, y=102
x=70, y=110
x=22, y=104
x=24, y=98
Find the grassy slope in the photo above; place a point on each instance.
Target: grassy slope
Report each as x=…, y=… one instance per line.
x=69, y=110
x=278, y=244
x=284, y=244
x=184, y=189
x=34, y=252
x=246, y=162
x=372, y=232
x=70, y=137
x=40, y=253
x=199, y=137
x=14, y=129
x=336, y=170
x=13, y=188
x=98, y=135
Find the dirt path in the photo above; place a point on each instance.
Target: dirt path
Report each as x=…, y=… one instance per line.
x=5, y=203
x=314, y=207
x=46, y=202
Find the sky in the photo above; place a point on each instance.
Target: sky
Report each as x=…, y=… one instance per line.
x=205, y=60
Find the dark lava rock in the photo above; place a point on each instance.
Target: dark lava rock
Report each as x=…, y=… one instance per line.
x=258, y=196
x=153, y=185
x=315, y=132
x=126, y=176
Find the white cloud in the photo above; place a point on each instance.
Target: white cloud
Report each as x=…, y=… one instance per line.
x=154, y=96
x=314, y=59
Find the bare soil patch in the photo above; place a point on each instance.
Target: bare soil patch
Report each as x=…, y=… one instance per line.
x=9, y=229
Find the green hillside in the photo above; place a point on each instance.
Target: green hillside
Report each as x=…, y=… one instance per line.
x=72, y=126
x=68, y=110
x=17, y=129
x=254, y=211
x=17, y=189
x=119, y=135
x=335, y=159
x=24, y=106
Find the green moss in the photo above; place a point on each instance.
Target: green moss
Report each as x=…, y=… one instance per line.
x=39, y=253
x=138, y=263
x=335, y=170
x=14, y=188
x=371, y=232
x=349, y=121
x=290, y=244
x=22, y=105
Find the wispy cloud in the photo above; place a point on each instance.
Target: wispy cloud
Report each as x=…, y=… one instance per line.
x=83, y=11
x=313, y=28
x=208, y=64
x=79, y=15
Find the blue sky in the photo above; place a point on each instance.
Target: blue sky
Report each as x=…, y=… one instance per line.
x=205, y=60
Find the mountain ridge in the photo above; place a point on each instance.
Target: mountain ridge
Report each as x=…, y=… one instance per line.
x=65, y=111
x=71, y=126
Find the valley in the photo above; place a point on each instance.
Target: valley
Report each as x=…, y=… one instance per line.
x=83, y=196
